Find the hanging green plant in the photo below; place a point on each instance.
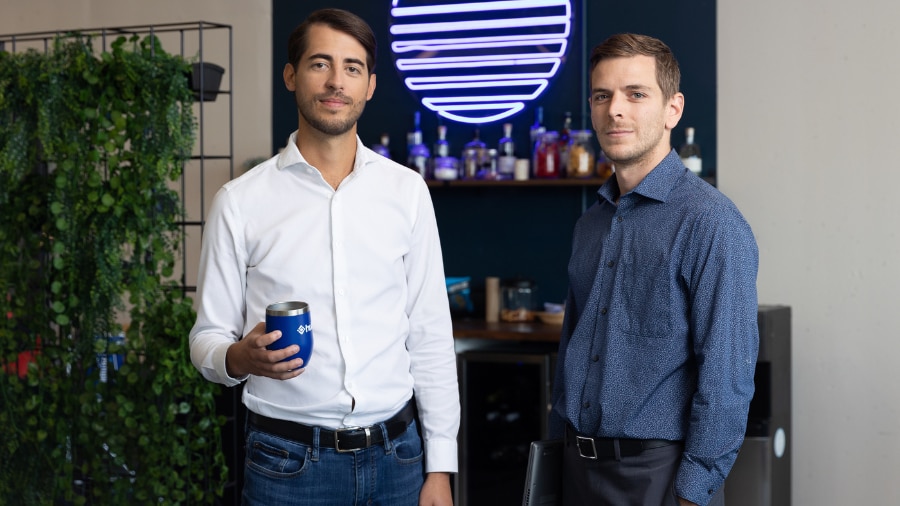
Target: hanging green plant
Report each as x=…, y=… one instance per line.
x=90, y=146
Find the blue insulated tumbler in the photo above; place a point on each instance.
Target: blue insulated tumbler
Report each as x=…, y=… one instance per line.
x=292, y=319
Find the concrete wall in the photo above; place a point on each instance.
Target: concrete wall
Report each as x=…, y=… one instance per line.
x=809, y=121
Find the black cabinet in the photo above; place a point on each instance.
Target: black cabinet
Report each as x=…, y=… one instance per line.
x=761, y=475
x=505, y=396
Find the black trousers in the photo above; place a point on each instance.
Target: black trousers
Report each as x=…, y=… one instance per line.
x=647, y=479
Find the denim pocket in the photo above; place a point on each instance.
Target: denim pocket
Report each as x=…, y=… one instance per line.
x=408, y=447
x=275, y=457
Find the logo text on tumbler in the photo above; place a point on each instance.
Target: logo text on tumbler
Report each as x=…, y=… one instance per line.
x=302, y=329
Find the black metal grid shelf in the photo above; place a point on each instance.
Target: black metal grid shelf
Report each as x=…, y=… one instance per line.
x=190, y=40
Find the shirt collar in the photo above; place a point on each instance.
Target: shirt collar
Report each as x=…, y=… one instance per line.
x=291, y=155
x=657, y=185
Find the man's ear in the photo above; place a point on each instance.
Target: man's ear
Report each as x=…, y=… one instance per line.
x=289, y=74
x=674, y=109
x=371, y=87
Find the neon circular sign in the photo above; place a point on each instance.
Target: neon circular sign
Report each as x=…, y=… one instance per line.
x=479, y=62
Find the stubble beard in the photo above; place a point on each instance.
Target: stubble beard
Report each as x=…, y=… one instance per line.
x=329, y=126
x=635, y=154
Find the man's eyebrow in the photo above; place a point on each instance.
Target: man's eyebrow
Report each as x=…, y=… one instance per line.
x=630, y=87
x=320, y=56
x=357, y=61
x=329, y=58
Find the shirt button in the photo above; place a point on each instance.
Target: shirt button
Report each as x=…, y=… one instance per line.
x=586, y=405
x=341, y=291
x=610, y=263
x=603, y=311
x=619, y=219
x=595, y=358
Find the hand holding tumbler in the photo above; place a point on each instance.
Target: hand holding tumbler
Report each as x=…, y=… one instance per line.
x=293, y=320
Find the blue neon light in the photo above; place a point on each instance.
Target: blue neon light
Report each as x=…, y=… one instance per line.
x=479, y=62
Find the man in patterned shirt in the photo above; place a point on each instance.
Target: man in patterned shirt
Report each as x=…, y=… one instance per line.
x=659, y=344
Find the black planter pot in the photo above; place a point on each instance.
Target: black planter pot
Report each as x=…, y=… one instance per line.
x=211, y=77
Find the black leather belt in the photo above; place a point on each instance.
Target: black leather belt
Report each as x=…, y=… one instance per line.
x=342, y=440
x=605, y=447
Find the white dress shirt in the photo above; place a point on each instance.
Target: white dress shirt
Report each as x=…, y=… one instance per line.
x=367, y=259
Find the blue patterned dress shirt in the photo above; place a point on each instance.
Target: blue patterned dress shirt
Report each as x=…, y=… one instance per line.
x=660, y=338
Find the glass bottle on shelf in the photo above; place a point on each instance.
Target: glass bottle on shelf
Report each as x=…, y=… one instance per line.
x=383, y=148
x=419, y=156
x=690, y=153
x=536, y=132
x=488, y=165
x=506, y=154
x=473, y=155
x=565, y=140
x=546, y=156
x=445, y=167
x=580, y=155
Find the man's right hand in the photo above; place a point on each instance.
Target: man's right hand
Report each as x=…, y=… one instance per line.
x=250, y=356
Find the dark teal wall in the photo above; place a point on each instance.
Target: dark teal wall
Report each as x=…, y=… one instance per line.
x=524, y=230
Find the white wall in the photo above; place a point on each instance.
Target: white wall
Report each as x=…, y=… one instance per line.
x=809, y=142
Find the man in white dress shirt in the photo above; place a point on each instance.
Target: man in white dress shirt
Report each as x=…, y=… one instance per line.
x=329, y=222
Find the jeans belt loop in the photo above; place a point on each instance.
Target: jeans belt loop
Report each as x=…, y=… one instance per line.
x=579, y=440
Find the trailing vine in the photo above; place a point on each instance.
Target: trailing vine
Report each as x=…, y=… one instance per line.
x=90, y=146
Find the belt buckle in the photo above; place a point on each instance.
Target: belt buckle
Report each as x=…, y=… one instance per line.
x=337, y=439
x=580, y=440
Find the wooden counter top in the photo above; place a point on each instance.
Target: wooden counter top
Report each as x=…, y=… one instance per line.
x=506, y=331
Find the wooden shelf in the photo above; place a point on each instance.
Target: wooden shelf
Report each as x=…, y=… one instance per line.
x=506, y=331
x=591, y=181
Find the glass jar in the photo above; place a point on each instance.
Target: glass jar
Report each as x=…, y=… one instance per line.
x=546, y=156
x=604, y=166
x=581, y=154
x=518, y=299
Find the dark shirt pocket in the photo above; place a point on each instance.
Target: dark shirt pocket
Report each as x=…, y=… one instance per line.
x=647, y=304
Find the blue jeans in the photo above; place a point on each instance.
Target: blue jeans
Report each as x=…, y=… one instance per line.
x=282, y=472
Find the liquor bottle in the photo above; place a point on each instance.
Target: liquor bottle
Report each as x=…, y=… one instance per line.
x=537, y=134
x=418, y=152
x=537, y=128
x=488, y=165
x=690, y=153
x=445, y=167
x=473, y=156
x=506, y=154
x=382, y=148
x=565, y=141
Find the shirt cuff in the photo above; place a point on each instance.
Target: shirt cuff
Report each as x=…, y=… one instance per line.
x=441, y=456
x=219, y=360
x=696, y=483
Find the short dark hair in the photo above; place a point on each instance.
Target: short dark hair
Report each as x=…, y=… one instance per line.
x=337, y=19
x=668, y=75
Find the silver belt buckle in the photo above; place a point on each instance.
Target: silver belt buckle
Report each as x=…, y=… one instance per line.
x=337, y=438
x=581, y=442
